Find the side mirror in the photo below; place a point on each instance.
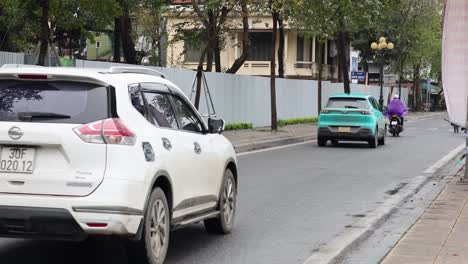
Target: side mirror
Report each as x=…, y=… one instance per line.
x=215, y=126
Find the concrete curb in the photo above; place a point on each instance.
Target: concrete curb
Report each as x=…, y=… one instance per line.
x=351, y=237
x=241, y=148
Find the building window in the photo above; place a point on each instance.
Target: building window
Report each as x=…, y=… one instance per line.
x=304, y=49
x=354, y=64
x=332, y=54
x=260, y=46
x=192, y=51
x=317, y=52
x=300, y=48
x=374, y=77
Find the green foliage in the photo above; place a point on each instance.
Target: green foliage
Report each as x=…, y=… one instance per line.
x=15, y=34
x=154, y=29
x=238, y=126
x=324, y=18
x=294, y=121
x=414, y=26
x=71, y=19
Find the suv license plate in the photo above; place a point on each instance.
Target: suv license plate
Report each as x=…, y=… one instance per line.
x=344, y=129
x=17, y=159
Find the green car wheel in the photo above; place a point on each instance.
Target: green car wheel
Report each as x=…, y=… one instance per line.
x=321, y=142
x=374, y=141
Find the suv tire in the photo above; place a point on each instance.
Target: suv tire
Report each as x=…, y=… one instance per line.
x=224, y=223
x=156, y=228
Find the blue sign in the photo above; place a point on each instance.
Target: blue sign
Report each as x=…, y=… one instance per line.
x=358, y=75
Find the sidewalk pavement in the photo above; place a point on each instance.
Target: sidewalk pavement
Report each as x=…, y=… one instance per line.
x=260, y=138
x=441, y=234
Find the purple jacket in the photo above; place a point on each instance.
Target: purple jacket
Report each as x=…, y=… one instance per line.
x=396, y=107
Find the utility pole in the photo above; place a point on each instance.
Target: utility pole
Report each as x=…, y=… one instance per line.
x=466, y=138
x=381, y=100
x=428, y=94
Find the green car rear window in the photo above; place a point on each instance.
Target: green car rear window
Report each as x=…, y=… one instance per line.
x=352, y=103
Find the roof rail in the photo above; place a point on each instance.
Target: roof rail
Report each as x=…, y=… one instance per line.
x=9, y=66
x=141, y=70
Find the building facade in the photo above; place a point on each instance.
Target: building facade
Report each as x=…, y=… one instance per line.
x=300, y=57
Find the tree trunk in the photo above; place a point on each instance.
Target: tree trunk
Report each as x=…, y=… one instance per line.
x=211, y=38
x=344, y=66
x=281, y=49
x=209, y=57
x=274, y=118
x=117, y=38
x=416, y=91
x=340, y=72
x=245, y=40
x=128, y=44
x=319, y=84
x=44, y=35
x=160, y=51
x=199, y=78
x=365, y=66
x=400, y=79
x=199, y=84
x=217, y=54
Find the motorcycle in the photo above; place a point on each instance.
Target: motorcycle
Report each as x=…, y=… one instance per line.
x=395, y=127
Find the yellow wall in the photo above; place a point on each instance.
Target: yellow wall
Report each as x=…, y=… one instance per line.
x=232, y=49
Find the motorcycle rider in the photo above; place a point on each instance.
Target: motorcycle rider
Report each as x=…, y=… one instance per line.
x=396, y=107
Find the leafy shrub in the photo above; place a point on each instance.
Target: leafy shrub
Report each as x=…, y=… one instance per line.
x=238, y=126
x=294, y=121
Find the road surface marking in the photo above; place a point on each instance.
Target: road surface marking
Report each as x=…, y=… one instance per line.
x=275, y=148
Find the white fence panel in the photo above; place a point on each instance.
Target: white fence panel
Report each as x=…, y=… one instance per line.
x=240, y=98
x=11, y=58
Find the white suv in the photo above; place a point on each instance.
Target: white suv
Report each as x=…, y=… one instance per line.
x=119, y=151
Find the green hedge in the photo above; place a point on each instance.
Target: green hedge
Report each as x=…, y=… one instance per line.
x=237, y=126
x=293, y=121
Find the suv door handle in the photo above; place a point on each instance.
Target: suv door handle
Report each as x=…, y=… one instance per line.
x=166, y=143
x=197, y=148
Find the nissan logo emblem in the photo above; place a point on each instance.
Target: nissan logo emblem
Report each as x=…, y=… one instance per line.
x=15, y=133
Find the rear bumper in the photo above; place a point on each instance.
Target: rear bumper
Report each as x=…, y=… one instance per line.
x=115, y=206
x=356, y=134
x=40, y=223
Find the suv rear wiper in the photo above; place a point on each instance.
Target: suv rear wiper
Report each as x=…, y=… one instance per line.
x=351, y=106
x=29, y=116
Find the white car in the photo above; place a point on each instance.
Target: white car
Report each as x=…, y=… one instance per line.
x=117, y=151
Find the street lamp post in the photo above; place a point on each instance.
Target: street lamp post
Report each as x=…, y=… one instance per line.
x=379, y=50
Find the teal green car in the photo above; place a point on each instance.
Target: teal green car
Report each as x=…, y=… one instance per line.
x=352, y=117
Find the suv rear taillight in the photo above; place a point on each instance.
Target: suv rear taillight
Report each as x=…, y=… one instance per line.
x=108, y=131
x=366, y=112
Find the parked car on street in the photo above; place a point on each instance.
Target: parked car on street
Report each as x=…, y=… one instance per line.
x=352, y=117
x=117, y=151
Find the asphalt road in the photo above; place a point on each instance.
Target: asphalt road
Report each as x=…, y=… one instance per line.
x=291, y=200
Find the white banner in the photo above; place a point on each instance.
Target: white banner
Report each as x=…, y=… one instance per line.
x=455, y=59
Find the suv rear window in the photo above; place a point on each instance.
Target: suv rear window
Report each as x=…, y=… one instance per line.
x=352, y=103
x=52, y=102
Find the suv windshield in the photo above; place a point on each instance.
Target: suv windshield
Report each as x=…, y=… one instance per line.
x=52, y=102
x=351, y=103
